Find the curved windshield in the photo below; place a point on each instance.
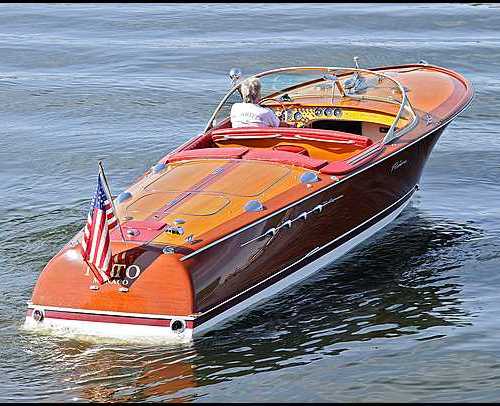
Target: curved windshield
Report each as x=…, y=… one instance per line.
x=327, y=86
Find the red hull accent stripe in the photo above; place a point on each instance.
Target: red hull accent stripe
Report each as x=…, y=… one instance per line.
x=105, y=318
x=109, y=318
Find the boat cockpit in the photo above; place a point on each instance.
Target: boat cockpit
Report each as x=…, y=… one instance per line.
x=331, y=119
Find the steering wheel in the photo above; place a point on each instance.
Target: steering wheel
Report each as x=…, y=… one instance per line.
x=264, y=102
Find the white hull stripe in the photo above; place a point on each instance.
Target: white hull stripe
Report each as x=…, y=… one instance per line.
x=110, y=330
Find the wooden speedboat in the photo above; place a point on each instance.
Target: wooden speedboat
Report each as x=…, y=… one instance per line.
x=236, y=215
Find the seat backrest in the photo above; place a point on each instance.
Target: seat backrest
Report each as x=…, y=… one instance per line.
x=297, y=149
x=290, y=133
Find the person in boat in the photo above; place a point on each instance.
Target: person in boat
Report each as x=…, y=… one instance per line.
x=249, y=113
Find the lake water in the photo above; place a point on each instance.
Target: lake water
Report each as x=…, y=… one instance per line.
x=411, y=316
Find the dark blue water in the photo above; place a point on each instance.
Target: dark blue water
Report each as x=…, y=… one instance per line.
x=410, y=316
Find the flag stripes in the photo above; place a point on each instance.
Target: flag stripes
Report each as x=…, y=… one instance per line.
x=96, y=246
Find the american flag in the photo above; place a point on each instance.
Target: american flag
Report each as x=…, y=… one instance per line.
x=96, y=248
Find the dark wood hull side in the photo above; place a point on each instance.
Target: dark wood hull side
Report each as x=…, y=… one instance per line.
x=236, y=265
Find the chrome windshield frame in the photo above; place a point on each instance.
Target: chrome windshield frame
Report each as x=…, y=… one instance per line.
x=392, y=133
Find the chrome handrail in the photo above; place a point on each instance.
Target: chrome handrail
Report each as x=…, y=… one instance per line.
x=391, y=133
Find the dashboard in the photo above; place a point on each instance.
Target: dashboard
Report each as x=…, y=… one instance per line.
x=302, y=115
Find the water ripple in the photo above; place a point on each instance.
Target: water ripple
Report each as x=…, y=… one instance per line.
x=410, y=316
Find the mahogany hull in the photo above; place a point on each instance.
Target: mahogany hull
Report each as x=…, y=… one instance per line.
x=229, y=276
x=173, y=288
x=248, y=268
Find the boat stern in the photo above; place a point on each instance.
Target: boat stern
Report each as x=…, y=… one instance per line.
x=150, y=296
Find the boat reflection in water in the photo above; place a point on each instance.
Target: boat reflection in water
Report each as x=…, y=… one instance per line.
x=371, y=295
x=236, y=215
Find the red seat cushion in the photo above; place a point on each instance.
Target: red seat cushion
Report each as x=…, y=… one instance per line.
x=284, y=157
x=337, y=168
x=208, y=153
x=297, y=149
x=343, y=167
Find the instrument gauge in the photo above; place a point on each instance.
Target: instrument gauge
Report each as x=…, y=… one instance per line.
x=337, y=112
x=297, y=116
x=318, y=112
x=328, y=111
x=288, y=114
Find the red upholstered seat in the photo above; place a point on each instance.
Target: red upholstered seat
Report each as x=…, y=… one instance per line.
x=343, y=167
x=311, y=134
x=296, y=149
x=337, y=168
x=208, y=153
x=285, y=157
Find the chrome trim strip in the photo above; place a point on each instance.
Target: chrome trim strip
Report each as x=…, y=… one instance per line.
x=302, y=137
x=288, y=223
x=374, y=148
x=362, y=169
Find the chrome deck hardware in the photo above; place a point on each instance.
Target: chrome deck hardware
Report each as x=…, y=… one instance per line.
x=308, y=177
x=168, y=250
x=38, y=315
x=123, y=196
x=253, y=206
x=356, y=61
x=356, y=83
x=132, y=232
x=285, y=98
x=235, y=75
x=333, y=79
x=159, y=167
x=174, y=229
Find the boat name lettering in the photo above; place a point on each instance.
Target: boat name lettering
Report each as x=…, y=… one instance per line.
x=398, y=165
x=118, y=271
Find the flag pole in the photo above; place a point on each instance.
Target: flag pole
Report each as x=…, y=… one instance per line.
x=94, y=270
x=108, y=192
